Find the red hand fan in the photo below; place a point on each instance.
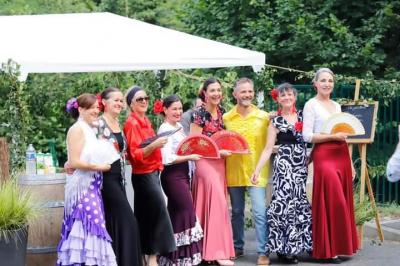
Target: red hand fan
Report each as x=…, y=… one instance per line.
x=231, y=141
x=198, y=144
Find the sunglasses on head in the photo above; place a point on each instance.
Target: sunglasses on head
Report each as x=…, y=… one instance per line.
x=142, y=99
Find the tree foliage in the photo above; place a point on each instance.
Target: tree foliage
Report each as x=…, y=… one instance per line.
x=14, y=113
x=352, y=37
x=357, y=39
x=162, y=12
x=30, y=7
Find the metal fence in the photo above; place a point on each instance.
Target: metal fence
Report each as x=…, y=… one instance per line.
x=379, y=152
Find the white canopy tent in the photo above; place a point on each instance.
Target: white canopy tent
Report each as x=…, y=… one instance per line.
x=103, y=42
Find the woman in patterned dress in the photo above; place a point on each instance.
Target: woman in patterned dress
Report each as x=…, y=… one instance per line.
x=209, y=184
x=289, y=213
x=175, y=181
x=120, y=219
x=84, y=239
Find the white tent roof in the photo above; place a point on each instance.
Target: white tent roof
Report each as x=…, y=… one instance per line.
x=105, y=42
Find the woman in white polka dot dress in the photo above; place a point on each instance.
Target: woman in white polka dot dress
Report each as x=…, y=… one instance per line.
x=84, y=238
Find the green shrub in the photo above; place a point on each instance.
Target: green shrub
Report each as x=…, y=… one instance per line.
x=16, y=208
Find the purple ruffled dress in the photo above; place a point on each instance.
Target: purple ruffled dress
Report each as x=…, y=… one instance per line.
x=84, y=238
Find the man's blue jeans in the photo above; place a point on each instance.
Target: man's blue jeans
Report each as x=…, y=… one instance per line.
x=257, y=196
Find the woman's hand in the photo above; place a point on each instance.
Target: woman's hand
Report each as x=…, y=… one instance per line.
x=68, y=169
x=254, y=178
x=160, y=142
x=340, y=136
x=225, y=153
x=103, y=167
x=194, y=157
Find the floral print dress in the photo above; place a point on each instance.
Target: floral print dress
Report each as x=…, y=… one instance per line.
x=289, y=213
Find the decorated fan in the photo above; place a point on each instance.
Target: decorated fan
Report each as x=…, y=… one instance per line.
x=152, y=139
x=345, y=123
x=198, y=144
x=231, y=141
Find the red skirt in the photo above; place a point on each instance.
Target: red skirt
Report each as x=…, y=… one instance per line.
x=333, y=229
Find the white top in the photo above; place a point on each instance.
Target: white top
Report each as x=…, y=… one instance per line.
x=169, y=150
x=314, y=117
x=96, y=151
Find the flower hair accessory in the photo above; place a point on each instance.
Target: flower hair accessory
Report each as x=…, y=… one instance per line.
x=158, y=107
x=72, y=104
x=100, y=102
x=298, y=126
x=274, y=94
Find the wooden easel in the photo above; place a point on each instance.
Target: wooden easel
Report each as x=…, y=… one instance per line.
x=362, y=148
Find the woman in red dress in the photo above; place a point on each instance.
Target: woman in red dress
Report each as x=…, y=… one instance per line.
x=209, y=184
x=334, y=229
x=156, y=234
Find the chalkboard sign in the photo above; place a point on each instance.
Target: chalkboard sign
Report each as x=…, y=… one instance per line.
x=366, y=113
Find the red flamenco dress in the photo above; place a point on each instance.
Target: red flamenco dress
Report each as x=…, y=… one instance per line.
x=334, y=229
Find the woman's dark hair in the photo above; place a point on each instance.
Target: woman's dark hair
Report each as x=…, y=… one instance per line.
x=85, y=101
x=106, y=93
x=131, y=93
x=203, y=89
x=284, y=87
x=169, y=100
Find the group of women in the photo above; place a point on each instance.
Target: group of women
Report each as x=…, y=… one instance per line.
x=327, y=229
x=100, y=228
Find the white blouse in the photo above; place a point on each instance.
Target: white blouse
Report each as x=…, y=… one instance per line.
x=314, y=117
x=168, y=152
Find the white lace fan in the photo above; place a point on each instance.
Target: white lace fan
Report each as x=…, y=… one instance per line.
x=105, y=153
x=345, y=123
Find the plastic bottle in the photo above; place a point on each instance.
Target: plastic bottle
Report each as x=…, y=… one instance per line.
x=30, y=160
x=40, y=163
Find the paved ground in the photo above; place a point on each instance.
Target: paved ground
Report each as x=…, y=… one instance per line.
x=372, y=254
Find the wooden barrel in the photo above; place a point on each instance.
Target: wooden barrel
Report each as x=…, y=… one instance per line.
x=44, y=233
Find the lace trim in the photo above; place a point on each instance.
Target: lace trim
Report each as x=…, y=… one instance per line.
x=195, y=259
x=189, y=236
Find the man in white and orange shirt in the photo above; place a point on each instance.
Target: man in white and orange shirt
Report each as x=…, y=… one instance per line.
x=252, y=123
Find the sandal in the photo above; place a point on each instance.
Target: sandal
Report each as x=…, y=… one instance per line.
x=225, y=263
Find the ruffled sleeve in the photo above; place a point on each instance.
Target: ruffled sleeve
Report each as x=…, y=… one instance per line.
x=198, y=117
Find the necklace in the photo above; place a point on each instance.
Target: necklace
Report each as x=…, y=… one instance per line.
x=111, y=119
x=112, y=122
x=288, y=114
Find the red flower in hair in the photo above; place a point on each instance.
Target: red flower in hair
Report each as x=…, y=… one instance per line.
x=298, y=126
x=100, y=102
x=274, y=94
x=158, y=107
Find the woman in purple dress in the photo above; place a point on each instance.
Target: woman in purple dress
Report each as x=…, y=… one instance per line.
x=84, y=238
x=176, y=184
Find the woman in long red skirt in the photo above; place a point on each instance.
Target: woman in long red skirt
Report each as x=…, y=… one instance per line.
x=209, y=183
x=334, y=229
